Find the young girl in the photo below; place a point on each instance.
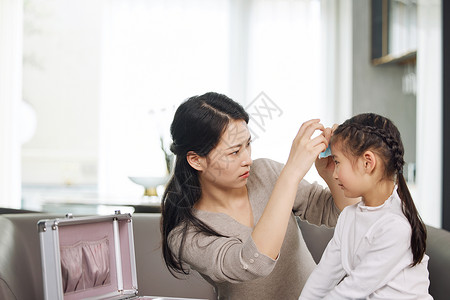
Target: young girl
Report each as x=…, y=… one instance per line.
x=378, y=247
x=231, y=218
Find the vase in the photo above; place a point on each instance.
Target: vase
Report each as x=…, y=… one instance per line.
x=150, y=183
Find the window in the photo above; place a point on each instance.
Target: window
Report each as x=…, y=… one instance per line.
x=104, y=77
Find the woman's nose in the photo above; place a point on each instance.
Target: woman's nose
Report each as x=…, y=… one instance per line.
x=247, y=162
x=246, y=157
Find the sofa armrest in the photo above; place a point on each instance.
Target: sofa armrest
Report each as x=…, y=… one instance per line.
x=438, y=249
x=5, y=291
x=20, y=256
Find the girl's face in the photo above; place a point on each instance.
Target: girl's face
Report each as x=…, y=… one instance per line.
x=228, y=164
x=348, y=173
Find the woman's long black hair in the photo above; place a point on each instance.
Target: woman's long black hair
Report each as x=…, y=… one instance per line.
x=379, y=134
x=197, y=126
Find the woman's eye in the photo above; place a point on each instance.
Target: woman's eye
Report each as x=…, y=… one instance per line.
x=336, y=162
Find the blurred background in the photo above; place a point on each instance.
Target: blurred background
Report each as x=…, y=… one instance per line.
x=88, y=88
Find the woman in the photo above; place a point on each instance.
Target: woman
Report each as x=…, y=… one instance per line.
x=232, y=219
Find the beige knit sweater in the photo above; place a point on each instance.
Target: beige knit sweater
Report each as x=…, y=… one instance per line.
x=233, y=264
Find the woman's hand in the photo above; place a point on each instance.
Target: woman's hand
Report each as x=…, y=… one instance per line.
x=305, y=149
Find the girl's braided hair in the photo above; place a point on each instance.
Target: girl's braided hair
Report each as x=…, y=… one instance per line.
x=376, y=133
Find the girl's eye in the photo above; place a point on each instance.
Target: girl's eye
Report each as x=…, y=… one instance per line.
x=249, y=143
x=336, y=162
x=235, y=152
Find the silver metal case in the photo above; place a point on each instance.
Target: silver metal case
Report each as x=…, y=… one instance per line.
x=116, y=233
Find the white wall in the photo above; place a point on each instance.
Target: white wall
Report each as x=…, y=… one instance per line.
x=429, y=111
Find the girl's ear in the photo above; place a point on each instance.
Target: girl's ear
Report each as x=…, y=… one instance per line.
x=369, y=161
x=194, y=160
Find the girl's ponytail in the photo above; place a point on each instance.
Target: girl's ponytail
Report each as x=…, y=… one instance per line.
x=419, y=231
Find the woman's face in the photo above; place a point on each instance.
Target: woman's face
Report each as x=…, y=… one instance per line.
x=228, y=164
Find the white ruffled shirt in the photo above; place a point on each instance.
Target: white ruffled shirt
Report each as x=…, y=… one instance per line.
x=370, y=252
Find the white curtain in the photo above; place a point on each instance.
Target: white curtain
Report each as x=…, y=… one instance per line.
x=284, y=62
x=11, y=20
x=157, y=53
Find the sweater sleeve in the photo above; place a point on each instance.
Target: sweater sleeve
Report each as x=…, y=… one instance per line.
x=329, y=271
x=223, y=259
x=389, y=254
x=313, y=202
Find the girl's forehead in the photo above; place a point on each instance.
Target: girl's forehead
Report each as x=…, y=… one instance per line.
x=335, y=147
x=337, y=151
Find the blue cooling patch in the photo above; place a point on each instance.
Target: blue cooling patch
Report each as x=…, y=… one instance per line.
x=325, y=153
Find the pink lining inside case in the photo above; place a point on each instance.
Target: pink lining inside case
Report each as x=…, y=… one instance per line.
x=85, y=265
x=88, y=259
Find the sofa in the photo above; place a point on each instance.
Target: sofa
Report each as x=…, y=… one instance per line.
x=21, y=272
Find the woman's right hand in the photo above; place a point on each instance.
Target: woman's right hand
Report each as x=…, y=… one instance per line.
x=306, y=149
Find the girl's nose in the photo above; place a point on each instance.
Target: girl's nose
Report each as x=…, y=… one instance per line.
x=335, y=175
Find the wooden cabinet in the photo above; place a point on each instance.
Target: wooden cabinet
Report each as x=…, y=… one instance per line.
x=394, y=31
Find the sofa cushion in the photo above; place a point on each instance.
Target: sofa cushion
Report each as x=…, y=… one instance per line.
x=153, y=276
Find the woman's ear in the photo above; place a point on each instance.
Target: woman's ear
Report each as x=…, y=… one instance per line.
x=194, y=160
x=369, y=161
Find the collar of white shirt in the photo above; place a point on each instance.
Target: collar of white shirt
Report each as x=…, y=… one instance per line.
x=386, y=204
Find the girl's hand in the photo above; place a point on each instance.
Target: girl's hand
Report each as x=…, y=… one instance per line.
x=306, y=149
x=325, y=166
